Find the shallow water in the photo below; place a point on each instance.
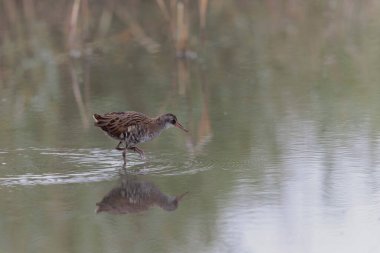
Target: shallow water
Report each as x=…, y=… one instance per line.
x=281, y=101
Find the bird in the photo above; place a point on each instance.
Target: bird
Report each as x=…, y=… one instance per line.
x=136, y=195
x=131, y=128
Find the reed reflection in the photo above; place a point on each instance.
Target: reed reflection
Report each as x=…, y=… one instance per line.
x=135, y=195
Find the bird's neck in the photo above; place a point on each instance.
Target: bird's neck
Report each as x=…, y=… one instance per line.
x=158, y=124
x=164, y=201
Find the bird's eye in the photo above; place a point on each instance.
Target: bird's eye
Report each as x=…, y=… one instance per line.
x=173, y=121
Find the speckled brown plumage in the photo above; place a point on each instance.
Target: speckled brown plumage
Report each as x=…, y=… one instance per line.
x=131, y=128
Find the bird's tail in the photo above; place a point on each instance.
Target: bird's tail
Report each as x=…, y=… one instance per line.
x=99, y=120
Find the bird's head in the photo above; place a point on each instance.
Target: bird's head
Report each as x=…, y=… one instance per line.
x=171, y=120
x=173, y=202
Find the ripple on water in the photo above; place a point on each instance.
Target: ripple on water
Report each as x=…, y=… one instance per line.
x=93, y=165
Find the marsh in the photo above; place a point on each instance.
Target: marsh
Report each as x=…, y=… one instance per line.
x=281, y=100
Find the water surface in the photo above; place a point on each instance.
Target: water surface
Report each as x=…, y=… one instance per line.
x=282, y=104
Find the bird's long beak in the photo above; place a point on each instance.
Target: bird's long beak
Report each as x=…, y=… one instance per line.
x=178, y=125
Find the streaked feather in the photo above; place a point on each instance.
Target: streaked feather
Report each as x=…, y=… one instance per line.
x=120, y=125
x=131, y=128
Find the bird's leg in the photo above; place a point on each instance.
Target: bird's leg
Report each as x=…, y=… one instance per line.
x=125, y=156
x=124, y=149
x=118, y=146
x=139, y=151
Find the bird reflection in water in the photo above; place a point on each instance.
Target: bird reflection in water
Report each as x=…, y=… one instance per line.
x=135, y=195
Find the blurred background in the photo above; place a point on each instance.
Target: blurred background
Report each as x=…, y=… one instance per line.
x=281, y=99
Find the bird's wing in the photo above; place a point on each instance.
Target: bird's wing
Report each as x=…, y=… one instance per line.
x=118, y=123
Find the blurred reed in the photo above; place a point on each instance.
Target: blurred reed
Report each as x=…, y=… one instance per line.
x=37, y=38
x=85, y=27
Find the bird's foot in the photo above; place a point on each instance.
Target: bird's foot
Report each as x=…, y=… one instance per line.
x=125, y=158
x=139, y=151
